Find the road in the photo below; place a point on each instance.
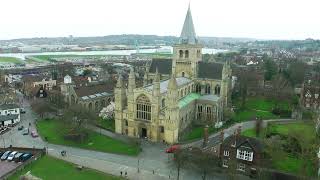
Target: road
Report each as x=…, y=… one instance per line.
x=152, y=162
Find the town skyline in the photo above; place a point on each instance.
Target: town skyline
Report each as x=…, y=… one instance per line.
x=246, y=19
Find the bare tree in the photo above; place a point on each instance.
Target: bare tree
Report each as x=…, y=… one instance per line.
x=41, y=107
x=180, y=158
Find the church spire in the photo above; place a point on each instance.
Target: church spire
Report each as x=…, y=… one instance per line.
x=188, y=34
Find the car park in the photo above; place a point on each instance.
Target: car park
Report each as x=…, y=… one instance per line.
x=25, y=157
x=11, y=156
x=34, y=134
x=5, y=155
x=25, y=131
x=17, y=157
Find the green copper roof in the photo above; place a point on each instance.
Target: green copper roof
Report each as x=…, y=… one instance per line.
x=188, y=99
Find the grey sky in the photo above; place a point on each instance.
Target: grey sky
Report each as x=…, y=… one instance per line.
x=263, y=19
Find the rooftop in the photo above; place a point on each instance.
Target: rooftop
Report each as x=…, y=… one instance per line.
x=181, y=81
x=188, y=99
x=8, y=106
x=8, y=117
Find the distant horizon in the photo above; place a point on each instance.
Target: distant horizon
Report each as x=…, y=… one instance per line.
x=92, y=36
x=263, y=19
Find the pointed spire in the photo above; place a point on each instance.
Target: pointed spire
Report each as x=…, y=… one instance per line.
x=188, y=33
x=119, y=82
x=157, y=76
x=172, y=82
x=132, y=80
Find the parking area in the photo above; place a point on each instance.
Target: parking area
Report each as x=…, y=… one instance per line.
x=15, y=158
x=7, y=167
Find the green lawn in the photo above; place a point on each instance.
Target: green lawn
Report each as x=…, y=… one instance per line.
x=247, y=115
x=255, y=107
x=54, y=131
x=10, y=60
x=289, y=163
x=107, y=124
x=49, y=168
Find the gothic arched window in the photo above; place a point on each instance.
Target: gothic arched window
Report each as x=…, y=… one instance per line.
x=217, y=90
x=198, y=53
x=186, y=54
x=143, y=108
x=198, y=88
x=208, y=89
x=181, y=54
x=163, y=103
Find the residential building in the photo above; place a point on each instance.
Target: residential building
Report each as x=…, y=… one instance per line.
x=9, y=114
x=242, y=153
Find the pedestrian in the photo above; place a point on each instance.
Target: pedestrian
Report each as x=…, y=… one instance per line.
x=152, y=171
x=125, y=174
x=121, y=173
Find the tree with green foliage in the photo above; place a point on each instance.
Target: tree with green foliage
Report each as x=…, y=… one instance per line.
x=296, y=72
x=270, y=68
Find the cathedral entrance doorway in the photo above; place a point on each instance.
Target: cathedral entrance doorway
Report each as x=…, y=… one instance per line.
x=143, y=132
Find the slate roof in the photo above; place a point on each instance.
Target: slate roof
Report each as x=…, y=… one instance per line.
x=92, y=90
x=181, y=81
x=8, y=117
x=255, y=143
x=188, y=33
x=210, y=70
x=164, y=66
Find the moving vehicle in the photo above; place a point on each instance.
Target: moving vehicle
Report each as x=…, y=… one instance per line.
x=5, y=155
x=173, y=148
x=17, y=157
x=34, y=134
x=25, y=157
x=11, y=156
x=25, y=131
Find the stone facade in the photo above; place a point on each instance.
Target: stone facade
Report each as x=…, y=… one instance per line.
x=176, y=92
x=92, y=97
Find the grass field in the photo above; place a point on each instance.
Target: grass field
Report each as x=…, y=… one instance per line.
x=255, y=107
x=49, y=168
x=53, y=131
x=288, y=163
x=10, y=60
x=106, y=124
x=258, y=107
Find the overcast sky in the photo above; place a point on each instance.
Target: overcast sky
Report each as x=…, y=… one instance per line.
x=263, y=19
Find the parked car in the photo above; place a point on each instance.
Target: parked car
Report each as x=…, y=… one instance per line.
x=25, y=131
x=17, y=157
x=11, y=156
x=172, y=149
x=25, y=157
x=22, y=110
x=20, y=128
x=34, y=134
x=5, y=155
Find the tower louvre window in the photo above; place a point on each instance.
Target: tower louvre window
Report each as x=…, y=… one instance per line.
x=186, y=54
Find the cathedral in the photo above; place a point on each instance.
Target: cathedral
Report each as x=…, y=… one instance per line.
x=176, y=93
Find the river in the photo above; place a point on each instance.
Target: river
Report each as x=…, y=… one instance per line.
x=166, y=49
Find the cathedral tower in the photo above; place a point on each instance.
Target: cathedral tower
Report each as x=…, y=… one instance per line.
x=188, y=52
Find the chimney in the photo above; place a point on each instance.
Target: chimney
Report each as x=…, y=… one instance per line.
x=239, y=130
x=205, y=136
x=221, y=136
